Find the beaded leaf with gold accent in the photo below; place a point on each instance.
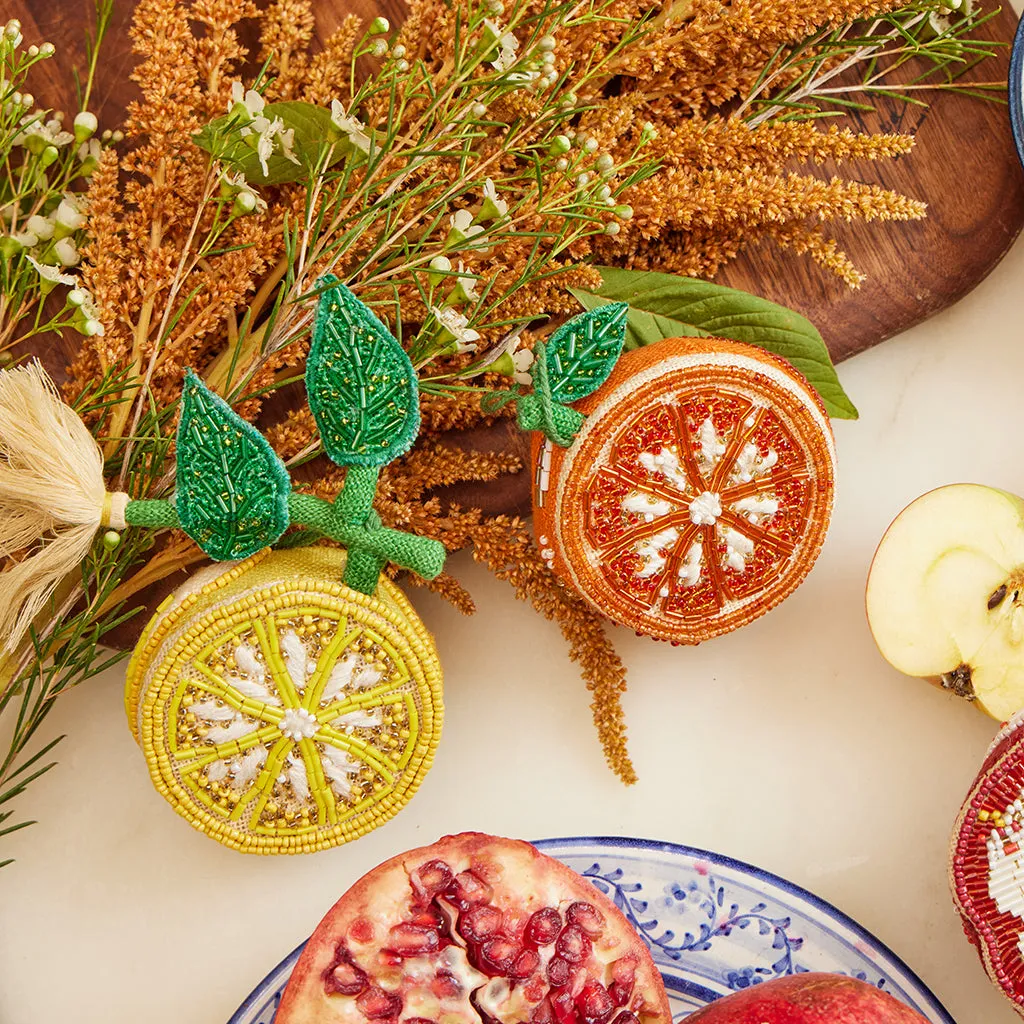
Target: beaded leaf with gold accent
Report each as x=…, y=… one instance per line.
x=362, y=388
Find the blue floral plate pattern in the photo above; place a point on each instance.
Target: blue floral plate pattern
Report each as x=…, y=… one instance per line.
x=713, y=924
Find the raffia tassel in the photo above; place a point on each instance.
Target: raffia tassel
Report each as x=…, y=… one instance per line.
x=52, y=495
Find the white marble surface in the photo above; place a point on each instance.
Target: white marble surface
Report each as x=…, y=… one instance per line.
x=789, y=744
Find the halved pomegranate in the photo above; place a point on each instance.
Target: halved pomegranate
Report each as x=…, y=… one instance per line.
x=479, y=930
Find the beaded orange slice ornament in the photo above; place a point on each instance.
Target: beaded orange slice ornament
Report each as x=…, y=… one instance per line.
x=695, y=493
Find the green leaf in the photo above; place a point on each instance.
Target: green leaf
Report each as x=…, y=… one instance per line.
x=669, y=306
x=362, y=388
x=232, y=495
x=583, y=351
x=314, y=131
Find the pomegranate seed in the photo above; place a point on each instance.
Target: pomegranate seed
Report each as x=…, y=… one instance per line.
x=525, y=964
x=561, y=1006
x=407, y=939
x=623, y=972
x=625, y=1017
x=573, y=944
x=559, y=972
x=431, y=878
x=480, y=923
x=594, y=1003
x=587, y=916
x=361, y=930
x=498, y=953
x=543, y=927
x=467, y=889
x=375, y=1003
x=446, y=986
x=346, y=979
x=426, y=917
x=542, y=1013
x=534, y=990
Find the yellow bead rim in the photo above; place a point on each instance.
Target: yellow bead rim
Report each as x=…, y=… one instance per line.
x=392, y=722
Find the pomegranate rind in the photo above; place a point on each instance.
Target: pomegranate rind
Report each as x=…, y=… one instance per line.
x=681, y=373
x=986, y=858
x=523, y=880
x=811, y=998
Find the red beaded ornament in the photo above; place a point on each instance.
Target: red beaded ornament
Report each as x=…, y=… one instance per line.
x=986, y=866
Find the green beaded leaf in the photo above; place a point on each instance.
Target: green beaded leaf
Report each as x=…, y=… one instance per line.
x=232, y=495
x=583, y=352
x=362, y=389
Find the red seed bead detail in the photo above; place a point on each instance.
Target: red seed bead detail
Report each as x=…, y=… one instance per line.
x=559, y=972
x=497, y=955
x=525, y=964
x=406, y=939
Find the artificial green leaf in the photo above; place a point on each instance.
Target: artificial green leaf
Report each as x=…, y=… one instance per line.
x=232, y=493
x=362, y=389
x=669, y=306
x=314, y=132
x=584, y=350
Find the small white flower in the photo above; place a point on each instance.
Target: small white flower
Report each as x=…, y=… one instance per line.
x=40, y=226
x=69, y=215
x=251, y=102
x=350, y=125
x=523, y=360
x=462, y=227
x=493, y=208
x=36, y=135
x=67, y=252
x=507, y=44
x=89, y=154
x=457, y=326
x=269, y=136
x=52, y=275
x=465, y=287
x=85, y=125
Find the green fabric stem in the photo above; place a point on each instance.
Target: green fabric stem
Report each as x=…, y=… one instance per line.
x=151, y=512
x=369, y=544
x=350, y=521
x=541, y=411
x=559, y=423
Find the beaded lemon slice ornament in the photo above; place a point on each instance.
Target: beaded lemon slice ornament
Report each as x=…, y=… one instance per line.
x=689, y=489
x=290, y=701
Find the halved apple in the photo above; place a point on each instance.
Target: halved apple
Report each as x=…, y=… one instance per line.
x=945, y=594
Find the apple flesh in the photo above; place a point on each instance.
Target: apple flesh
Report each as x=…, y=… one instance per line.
x=808, y=999
x=945, y=594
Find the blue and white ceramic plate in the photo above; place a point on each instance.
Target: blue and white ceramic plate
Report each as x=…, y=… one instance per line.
x=1015, y=84
x=714, y=925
